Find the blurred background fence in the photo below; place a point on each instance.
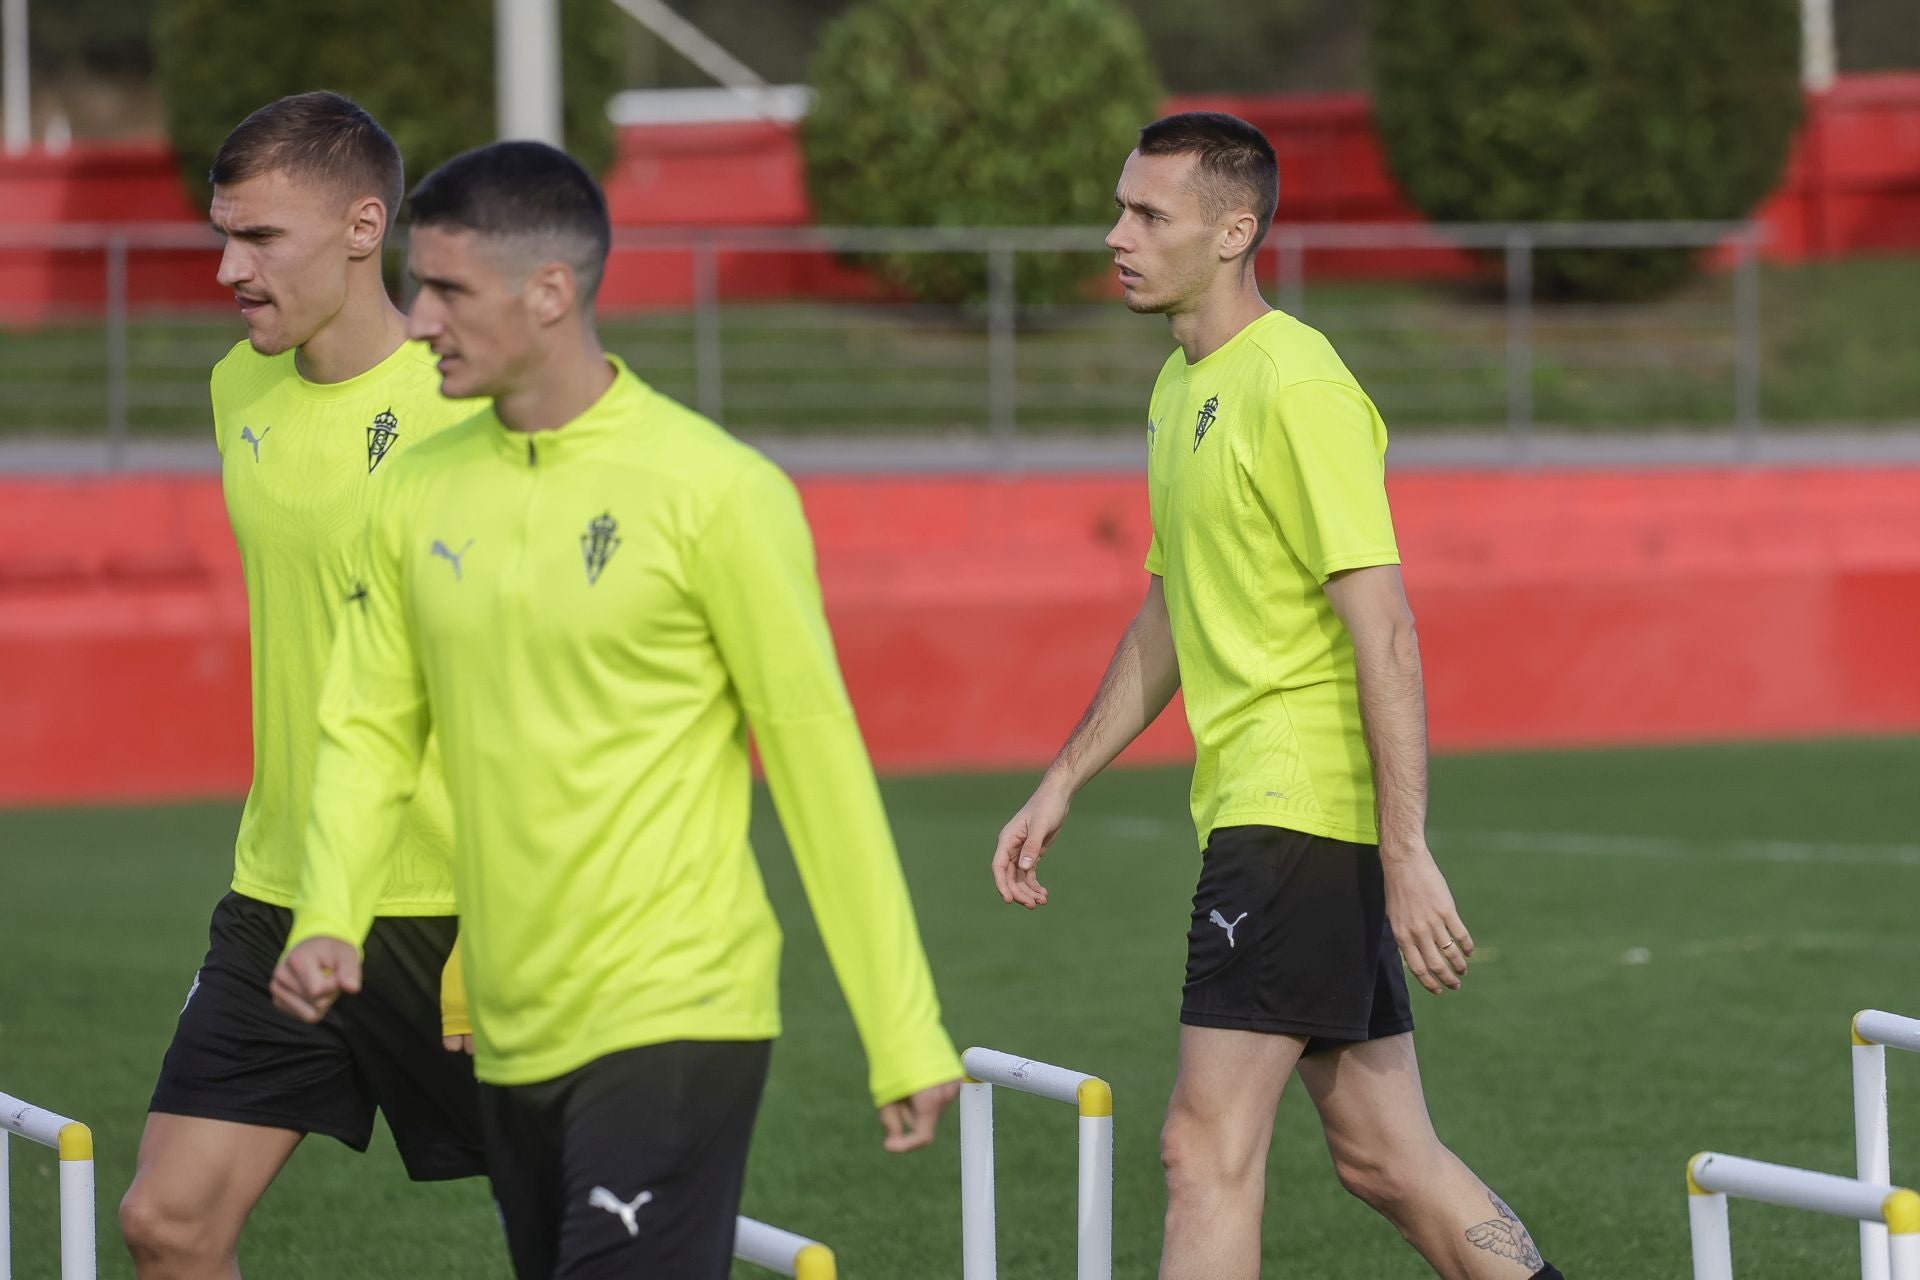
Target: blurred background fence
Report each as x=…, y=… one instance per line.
x=783, y=335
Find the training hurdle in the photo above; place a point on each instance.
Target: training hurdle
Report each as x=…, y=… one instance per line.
x=987, y=1069
x=74, y=1142
x=782, y=1252
x=1874, y=1032
x=1712, y=1177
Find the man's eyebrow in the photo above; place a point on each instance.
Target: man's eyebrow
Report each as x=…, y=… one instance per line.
x=1139, y=206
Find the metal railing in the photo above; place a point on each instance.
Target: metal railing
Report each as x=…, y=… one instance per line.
x=998, y=370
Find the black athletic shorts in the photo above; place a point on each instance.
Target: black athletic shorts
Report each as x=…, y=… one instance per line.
x=236, y=1057
x=1290, y=936
x=630, y=1166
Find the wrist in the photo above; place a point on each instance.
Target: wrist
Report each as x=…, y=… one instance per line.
x=1399, y=850
x=1059, y=783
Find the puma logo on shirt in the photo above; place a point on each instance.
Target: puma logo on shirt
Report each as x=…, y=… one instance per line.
x=451, y=557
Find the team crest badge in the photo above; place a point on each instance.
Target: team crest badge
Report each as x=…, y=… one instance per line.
x=1208, y=412
x=380, y=437
x=598, y=544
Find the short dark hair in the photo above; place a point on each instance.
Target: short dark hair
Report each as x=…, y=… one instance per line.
x=522, y=190
x=1236, y=162
x=321, y=137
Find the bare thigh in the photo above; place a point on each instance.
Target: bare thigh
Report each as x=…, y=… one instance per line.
x=198, y=1180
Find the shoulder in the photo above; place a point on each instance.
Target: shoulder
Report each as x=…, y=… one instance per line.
x=707, y=462
x=1170, y=370
x=416, y=469
x=244, y=374
x=1292, y=352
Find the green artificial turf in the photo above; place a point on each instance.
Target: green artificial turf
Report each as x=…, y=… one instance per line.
x=1672, y=944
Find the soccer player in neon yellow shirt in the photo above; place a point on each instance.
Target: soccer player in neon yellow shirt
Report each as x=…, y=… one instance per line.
x=590, y=593
x=311, y=413
x=1274, y=601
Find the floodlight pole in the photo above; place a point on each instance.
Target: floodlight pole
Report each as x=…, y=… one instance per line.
x=17, y=91
x=526, y=51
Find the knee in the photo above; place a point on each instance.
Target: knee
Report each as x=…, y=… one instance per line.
x=157, y=1232
x=1368, y=1179
x=1201, y=1156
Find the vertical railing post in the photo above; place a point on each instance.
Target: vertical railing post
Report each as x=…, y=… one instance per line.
x=1003, y=398
x=117, y=351
x=1519, y=345
x=1293, y=273
x=1746, y=342
x=709, y=372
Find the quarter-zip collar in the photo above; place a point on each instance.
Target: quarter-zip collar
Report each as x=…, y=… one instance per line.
x=604, y=420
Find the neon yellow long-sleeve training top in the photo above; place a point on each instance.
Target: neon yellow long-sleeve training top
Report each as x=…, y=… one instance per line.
x=589, y=619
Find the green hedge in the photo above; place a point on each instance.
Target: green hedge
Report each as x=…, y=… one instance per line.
x=424, y=68
x=1587, y=110
x=976, y=113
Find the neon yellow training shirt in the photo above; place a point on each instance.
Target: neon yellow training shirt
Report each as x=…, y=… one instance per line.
x=590, y=618
x=299, y=463
x=1266, y=476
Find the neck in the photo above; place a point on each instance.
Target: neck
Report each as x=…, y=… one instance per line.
x=1231, y=304
x=366, y=330
x=561, y=383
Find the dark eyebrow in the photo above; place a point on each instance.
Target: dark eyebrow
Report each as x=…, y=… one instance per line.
x=441, y=283
x=247, y=233
x=1139, y=206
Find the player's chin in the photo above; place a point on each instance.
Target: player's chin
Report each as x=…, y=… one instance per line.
x=457, y=379
x=268, y=342
x=1143, y=304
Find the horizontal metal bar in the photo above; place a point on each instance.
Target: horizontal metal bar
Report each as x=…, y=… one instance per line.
x=1437, y=236
x=777, y=1249
x=1043, y=1079
x=36, y=1124
x=1876, y=1026
x=1790, y=1188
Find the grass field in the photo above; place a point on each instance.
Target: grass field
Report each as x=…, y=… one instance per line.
x=1673, y=942
x=1835, y=342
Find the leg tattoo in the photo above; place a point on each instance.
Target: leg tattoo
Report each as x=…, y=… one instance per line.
x=1505, y=1236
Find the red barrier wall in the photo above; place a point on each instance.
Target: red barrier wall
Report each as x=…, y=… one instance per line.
x=1851, y=186
x=975, y=614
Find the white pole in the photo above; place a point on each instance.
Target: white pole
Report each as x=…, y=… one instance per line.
x=77, y=1260
x=1790, y=1188
x=1712, y=1241
x=977, y=1247
x=1871, y=1163
x=1817, y=58
x=702, y=51
x=1096, y=1193
x=6, y=1213
x=781, y=1251
x=17, y=92
x=526, y=50
x=1906, y=1257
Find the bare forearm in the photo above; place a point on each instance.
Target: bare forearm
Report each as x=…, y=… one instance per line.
x=1140, y=680
x=1393, y=709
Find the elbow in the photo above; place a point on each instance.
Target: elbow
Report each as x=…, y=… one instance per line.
x=1404, y=638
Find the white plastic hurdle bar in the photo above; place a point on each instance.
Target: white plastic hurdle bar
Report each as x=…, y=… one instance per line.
x=782, y=1251
x=1091, y=1095
x=74, y=1142
x=1712, y=1177
x=1874, y=1032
